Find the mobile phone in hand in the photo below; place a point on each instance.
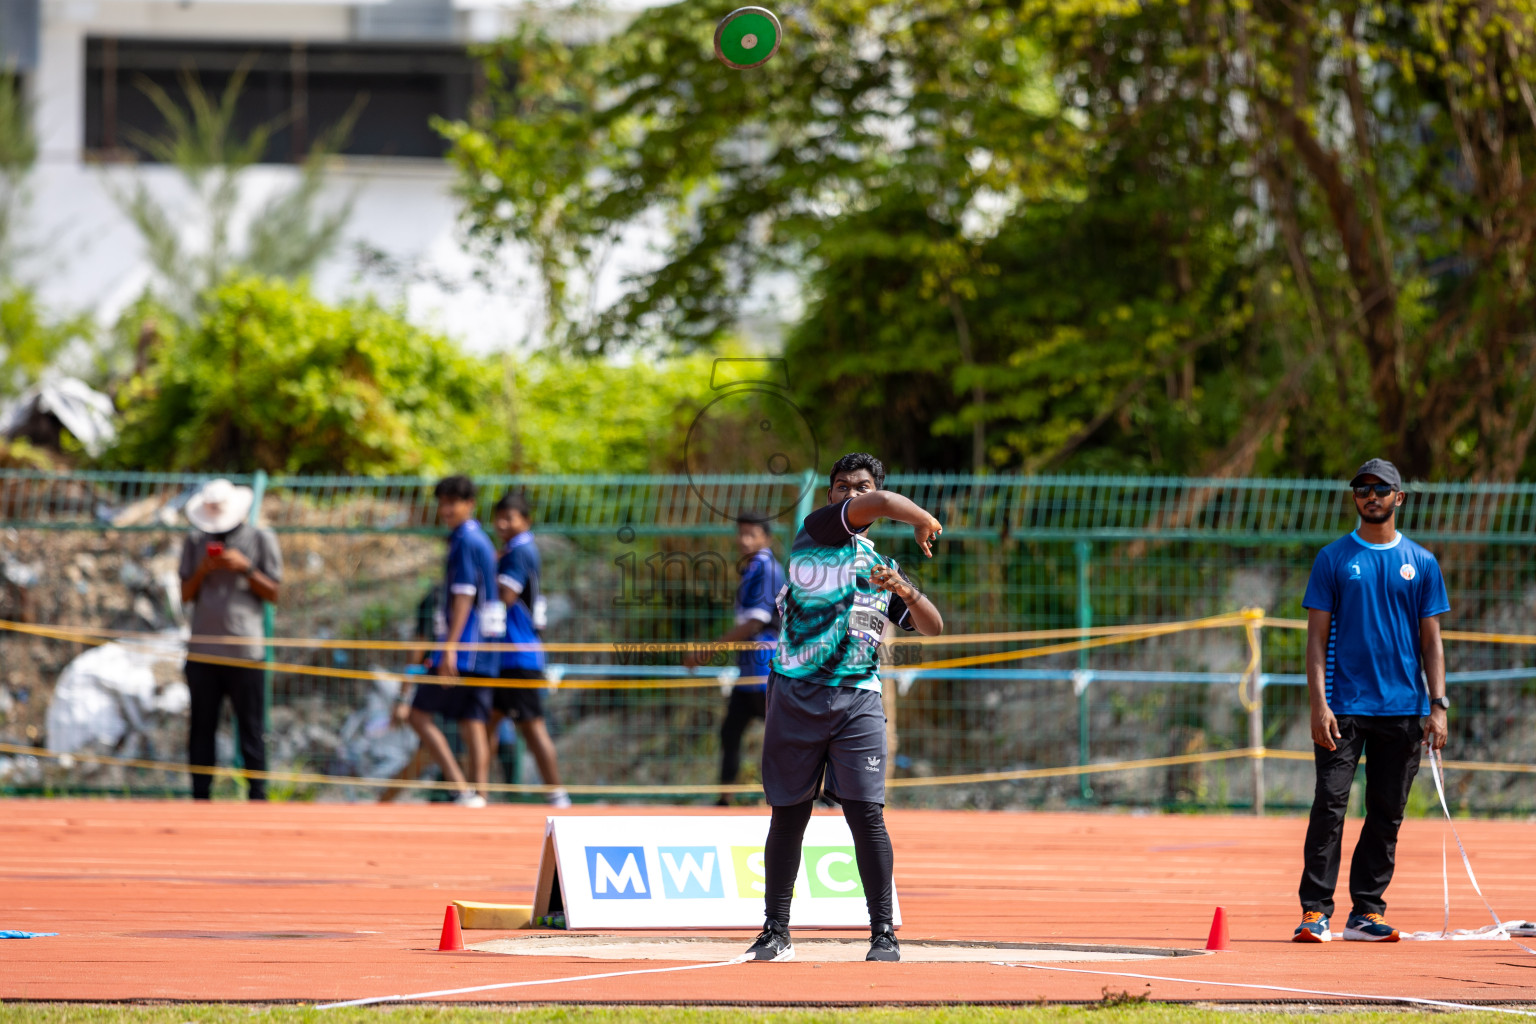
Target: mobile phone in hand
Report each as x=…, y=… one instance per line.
x=215, y=549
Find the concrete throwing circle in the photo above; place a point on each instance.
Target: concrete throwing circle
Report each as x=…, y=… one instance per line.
x=709, y=948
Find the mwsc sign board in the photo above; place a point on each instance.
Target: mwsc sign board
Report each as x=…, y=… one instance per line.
x=692, y=872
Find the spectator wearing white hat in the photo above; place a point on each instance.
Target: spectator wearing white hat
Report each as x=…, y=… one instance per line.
x=229, y=569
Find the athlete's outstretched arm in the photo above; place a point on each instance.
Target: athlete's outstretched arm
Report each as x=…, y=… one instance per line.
x=866, y=508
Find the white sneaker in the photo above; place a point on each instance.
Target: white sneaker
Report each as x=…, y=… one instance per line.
x=559, y=799
x=469, y=798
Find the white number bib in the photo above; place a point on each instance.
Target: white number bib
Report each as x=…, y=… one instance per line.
x=493, y=619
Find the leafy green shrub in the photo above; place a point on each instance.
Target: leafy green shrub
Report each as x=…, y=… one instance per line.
x=269, y=377
x=574, y=414
x=31, y=339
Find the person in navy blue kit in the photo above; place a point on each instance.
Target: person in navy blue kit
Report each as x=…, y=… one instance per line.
x=1373, y=648
x=517, y=581
x=470, y=612
x=757, y=618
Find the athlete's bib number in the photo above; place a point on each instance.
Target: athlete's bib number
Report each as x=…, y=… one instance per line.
x=492, y=616
x=867, y=622
x=493, y=619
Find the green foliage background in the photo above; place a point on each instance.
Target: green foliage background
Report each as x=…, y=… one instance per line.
x=271, y=378
x=578, y=415
x=1178, y=236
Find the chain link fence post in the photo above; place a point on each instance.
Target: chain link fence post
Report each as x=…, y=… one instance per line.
x=1084, y=550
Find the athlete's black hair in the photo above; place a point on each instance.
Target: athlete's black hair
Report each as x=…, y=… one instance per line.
x=858, y=460
x=515, y=501
x=455, y=488
x=753, y=517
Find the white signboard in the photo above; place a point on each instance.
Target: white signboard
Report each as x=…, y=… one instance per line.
x=693, y=872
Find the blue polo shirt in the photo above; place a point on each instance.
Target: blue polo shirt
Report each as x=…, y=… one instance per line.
x=470, y=570
x=1376, y=593
x=518, y=571
x=757, y=600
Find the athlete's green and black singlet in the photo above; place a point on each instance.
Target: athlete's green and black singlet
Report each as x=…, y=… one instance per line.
x=834, y=619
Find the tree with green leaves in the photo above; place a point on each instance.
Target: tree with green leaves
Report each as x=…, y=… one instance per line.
x=577, y=415
x=286, y=237
x=1185, y=236
x=271, y=378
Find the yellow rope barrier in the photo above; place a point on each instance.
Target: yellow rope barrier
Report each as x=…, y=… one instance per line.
x=1248, y=685
x=1118, y=636
x=668, y=683
x=1141, y=633
x=1471, y=636
x=1513, y=767
x=1251, y=619
x=1017, y=775
x=89, y=634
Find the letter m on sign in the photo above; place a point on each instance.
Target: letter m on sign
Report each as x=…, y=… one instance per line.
x=618, y=873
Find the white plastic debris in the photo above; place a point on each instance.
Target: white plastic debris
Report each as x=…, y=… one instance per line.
x=107, y=698
x=79, y=408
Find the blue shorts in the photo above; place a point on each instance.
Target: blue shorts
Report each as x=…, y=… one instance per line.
x=461, y=703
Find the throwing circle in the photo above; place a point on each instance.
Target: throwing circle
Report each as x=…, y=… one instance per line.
x=747, y=37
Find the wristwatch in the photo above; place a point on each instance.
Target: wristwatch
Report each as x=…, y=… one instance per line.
x=1444, y=703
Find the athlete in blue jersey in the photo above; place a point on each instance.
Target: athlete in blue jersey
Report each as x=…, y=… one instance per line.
x=519, y=575
x=757, y=619
x=469, y=612
x=1373, y=646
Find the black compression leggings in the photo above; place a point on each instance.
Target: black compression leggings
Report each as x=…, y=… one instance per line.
x=871, y=847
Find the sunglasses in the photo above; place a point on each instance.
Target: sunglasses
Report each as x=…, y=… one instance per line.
x=1380, y=490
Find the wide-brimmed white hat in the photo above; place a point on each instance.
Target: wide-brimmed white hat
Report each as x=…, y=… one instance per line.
x=220, y=506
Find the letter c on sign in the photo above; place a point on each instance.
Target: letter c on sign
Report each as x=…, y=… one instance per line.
x=824, y=872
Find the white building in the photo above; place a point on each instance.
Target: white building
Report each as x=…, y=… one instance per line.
x=84, y=62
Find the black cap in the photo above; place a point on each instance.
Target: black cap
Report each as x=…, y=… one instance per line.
x=1382, y=470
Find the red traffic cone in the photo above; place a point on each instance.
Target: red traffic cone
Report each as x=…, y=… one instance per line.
x=453, y=937
x=1218, y=940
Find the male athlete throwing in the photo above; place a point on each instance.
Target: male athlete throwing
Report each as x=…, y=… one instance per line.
x=825, y=718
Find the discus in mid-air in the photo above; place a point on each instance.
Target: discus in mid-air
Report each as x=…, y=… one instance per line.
x=747, y=38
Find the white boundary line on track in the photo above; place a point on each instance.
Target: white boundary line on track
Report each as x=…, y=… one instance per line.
x=1281, y=988
x=524, y=984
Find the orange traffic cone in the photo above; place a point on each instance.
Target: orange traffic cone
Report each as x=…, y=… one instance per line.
x=453, y=937
x=1218, y=940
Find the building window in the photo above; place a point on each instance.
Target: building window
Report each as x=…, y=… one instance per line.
x=302, y=90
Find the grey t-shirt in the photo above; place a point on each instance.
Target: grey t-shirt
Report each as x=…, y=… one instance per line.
x=224, y=605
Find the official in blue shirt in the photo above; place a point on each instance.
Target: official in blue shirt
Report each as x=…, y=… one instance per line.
x=469, y=612
x=757, y=618
x=517, y=579
x=1373, y=644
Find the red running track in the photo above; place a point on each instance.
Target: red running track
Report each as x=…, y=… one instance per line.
x=318, y=902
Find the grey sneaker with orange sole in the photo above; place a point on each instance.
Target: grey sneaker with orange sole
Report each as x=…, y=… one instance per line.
x=1369, y=928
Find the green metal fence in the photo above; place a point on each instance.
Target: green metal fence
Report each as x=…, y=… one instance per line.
x=651, y=558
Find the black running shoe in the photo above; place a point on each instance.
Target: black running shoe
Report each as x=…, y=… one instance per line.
x=883, y=944
x=772, y=943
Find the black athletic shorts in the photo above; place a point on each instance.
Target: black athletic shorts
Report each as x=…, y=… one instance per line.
x=520, y=703
x=461, y=702
x=814, y=731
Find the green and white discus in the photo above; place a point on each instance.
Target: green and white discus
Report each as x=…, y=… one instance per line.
x=747, y=37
